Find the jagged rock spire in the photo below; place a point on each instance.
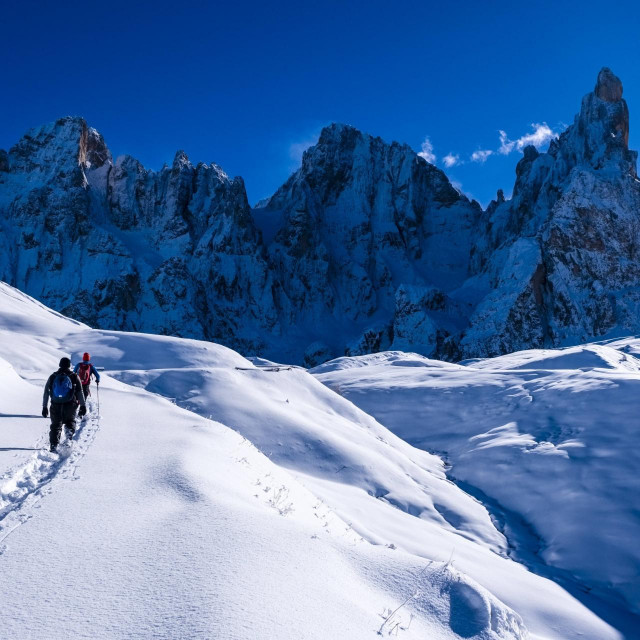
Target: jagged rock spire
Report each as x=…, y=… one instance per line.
x=181, y=160
x=606, y=125
x=608, y=86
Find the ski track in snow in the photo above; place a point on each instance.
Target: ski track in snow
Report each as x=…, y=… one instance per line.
x=22, y=487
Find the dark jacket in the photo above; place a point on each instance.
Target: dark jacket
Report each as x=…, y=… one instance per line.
x=92, y=370
x=77, y=387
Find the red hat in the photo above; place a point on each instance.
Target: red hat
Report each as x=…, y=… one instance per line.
x=86, y=357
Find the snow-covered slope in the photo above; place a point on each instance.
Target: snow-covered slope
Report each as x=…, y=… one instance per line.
x=546, y=438
x=158, y=523
x=168, y=522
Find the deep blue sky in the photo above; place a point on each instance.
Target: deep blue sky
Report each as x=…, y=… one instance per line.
x=248, y=84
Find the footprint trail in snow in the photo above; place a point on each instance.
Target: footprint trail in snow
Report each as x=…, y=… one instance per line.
x=22, y=487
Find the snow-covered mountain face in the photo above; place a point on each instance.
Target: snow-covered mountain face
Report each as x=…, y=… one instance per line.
x=371, y=236
x=352, y=244
x=559, y=261
x=172, y=252
x=366, y=247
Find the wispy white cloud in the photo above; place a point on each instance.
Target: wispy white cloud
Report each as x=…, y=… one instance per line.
x=450, y=160
x=541, y=135
x=481, y=155
x=506, y=145
x=298, y=146
x=427, y=151
x=457, y=186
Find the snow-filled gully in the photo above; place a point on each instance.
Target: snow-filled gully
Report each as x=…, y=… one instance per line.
x=22, y=487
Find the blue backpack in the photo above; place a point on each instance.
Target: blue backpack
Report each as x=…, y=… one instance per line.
x=61, y=389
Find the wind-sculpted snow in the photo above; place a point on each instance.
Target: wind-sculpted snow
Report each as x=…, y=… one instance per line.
x=388, y=492
x=549, y=437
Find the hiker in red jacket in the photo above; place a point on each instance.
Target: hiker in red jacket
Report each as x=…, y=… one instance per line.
x=85, y=370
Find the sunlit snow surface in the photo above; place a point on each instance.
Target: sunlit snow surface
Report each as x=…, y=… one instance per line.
x=548, y=438
x=218, y=499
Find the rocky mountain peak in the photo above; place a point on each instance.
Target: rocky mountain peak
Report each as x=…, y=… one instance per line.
x=608, y=86
x=530, y=153
x=601, y=129
x=60, y=146
x=598, y=139
x=367, y=246
x=560, y=258
x=338, y=134
x=181, y=161
x=344, y=138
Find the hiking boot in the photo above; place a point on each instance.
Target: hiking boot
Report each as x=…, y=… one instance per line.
x=52, y=448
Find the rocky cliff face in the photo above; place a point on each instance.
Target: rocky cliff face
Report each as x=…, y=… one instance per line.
x=366, y=247
x=558, y=263
x=367, y=241
x=118, y=246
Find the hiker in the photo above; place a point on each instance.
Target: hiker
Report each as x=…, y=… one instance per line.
x=85, y=370
x=65, y=391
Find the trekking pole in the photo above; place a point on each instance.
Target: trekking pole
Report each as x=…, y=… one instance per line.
x=98, y=392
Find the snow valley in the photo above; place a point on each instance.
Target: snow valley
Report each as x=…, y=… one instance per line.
x=220, y=497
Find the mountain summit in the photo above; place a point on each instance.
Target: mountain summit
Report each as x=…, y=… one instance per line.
x=366, y=247
x=369, y=236
x=558, y=263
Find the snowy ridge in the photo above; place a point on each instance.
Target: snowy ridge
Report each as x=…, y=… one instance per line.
x=394, y=497
x=418, y=558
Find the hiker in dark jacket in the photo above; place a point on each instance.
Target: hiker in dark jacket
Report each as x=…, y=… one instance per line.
x=85, y=370
x=65, y=391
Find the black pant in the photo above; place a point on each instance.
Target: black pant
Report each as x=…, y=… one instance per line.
x=85, y=391
x=62, y=414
